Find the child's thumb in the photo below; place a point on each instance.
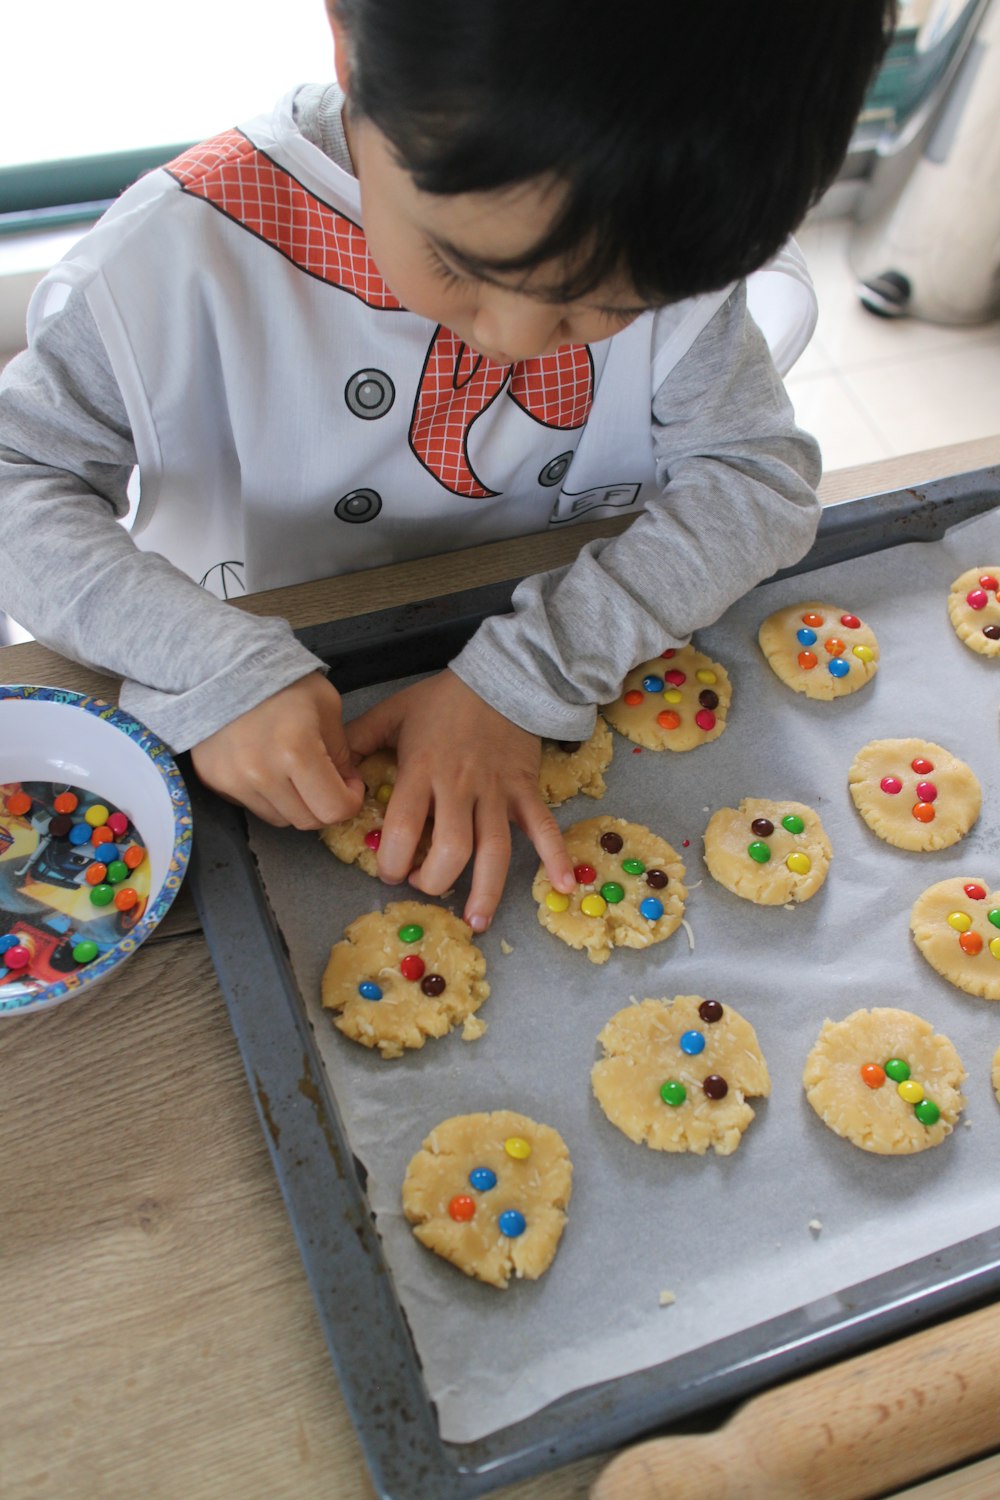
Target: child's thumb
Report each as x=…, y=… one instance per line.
x=371, y=730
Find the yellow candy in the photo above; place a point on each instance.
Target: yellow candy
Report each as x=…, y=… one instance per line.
x=593, y=906
x=384, y=793
x=556, y=901
x=799, y=864
x=704, y=675
x=960, y=920
x=673, y=695
x=517, y=1147
x=995, y=947
x=910, y=1090
x=863, y=653
x=97, y=815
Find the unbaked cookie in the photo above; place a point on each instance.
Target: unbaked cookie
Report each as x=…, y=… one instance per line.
x=489, y=1193
x=677, y=701
x=914, y=794
x=356, y=840
x=676, y=1074
x=630, y=889
x=885, y=1081
x=569, y=766
x=956, y=926
x=403, y=974
x=819, y=649
x=974, y=609
x=768, y=852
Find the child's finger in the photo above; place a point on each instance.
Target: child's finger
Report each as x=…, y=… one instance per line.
x=405, y=816
x=450, y=848
x=535, y=819
x=376, y=727
x=489, y=873
x=328, y=794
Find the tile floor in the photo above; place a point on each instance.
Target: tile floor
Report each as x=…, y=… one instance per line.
x=871, y=388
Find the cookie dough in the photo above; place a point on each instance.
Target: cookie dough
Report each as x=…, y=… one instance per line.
x=356, y=840
x=489, y=1193
x=569, y=767
x=677, y=701
x=819, y=649
x=996, y=1074
x=630, y=889
x=884, y=1080
x=956, y=926
x=768, y=852
x=914, y=794
x=676, y=1074
x=403, y=974
x=974, y=609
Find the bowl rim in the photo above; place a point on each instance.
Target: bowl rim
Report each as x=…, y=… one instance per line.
x=154, y=748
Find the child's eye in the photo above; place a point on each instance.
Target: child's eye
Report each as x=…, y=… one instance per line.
x=442, y=270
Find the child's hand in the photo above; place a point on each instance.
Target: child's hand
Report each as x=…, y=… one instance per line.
x=474, y=772
x=287, y=760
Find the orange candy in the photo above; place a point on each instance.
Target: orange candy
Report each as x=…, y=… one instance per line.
x=66, y=802
x=633, y=698
x=971, y=943
x=667, y=719
x=134, y=856
x=807, y=660
x=835, y=647
x=812, y=619
x=18, y=803
x=462, y=1209
x=873, y=1074
x=96, y=873
x=923, y=812
x=126, y=898
x=101, y=835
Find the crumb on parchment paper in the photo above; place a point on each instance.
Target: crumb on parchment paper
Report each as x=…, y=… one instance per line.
x=815, y=1225
x=667, y=1299
x=472, y=1029
x=505, y=947
x=690, y=935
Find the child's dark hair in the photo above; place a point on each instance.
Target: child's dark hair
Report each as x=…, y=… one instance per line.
x=691, y=136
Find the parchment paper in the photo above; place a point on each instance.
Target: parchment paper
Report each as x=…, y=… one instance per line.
x=730, y=1236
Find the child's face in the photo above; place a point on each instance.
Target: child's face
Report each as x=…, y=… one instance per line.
x=429, y=249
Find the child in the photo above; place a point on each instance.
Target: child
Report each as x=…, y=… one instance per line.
x=493, y=283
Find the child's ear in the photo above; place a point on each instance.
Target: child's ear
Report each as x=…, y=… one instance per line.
x=341, y=45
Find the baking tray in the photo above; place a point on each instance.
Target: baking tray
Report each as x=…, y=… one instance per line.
x=324, y=1186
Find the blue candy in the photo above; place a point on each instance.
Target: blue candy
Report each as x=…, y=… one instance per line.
x=839, y=668
x=511, y=1223
x=806, y=637
x=651, y=909
x=482, y=1179
x=80, y=833
x=9, y=941
x=653, y=684
x=107, y=852
x=369, y=991
x=692, y=1042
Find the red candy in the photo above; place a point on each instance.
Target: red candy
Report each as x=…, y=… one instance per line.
x=676, y=677
x=927, y=791
x=976, y=599
x=922, y=767
x=989, y=582
x=17, y=958
x=412, y=967
x=974, y=892
x=705, y=719
x=118, y=823
x=633, y=698
x=585, y=874
x=670, y=651
x=851, y=622
x=891, y=785
x=372, y=839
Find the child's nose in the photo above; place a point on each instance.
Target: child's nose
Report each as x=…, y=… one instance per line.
x=515, y=327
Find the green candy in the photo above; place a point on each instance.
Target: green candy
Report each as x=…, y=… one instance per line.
x=759, y=851
x=102, y=895
x=793, y=823
x=673, y=1093
x=117, y=871
x=927, y=1112
x=85, y=952
x=897, y=1070
x=612, y=892
x=411, y=933
x=994, y=916
x=636, y=867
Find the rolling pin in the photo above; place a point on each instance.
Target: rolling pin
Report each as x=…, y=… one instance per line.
x=856, y=1429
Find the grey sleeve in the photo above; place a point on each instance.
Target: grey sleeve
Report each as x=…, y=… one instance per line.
x=737, y=502
x=77, y=581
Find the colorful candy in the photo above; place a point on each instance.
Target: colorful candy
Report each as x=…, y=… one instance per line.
x=66, y=802
x=792, y=823
x=483, y=1179
x=433, y=984
x=705, y=719
x=799, y=864
x=653, y=684
x=412, y=967
x=369, y=990
x=922, y=765
x=651, y=909
x=759, y=851
x=838, y=667
x=593, y=905
x=897, y=1069
x=373, y=838
x=715, y=1086
x=632, y=698
x=585, y=874
x=18, y=804
x=611, y=842
x=960, y=920
x=806, y=660
x=462, y=1208
x=556, y=901
x=673, y=1092
x=668, y=719
x=97, y=815
x=891, y=785
x=85, y=951
x=657, y=879
x=692, y=1042
x=710, y=1011
x=873, y=1075
x=511, y=1224
x=411, y=932
x=517, y=1148
x=633, y=866
x=612, y=892
x=806, y=637
x=851, y=622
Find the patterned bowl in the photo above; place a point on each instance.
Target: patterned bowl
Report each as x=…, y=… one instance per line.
x=65, y=925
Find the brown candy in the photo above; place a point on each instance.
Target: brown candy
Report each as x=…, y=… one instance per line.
x=432, y=984
x=710, y=1010
x=611, y=842
x=762, y=827
x=657, y=879
x=715, y=1086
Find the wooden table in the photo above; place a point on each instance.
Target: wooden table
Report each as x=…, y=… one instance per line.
x=157, y=1335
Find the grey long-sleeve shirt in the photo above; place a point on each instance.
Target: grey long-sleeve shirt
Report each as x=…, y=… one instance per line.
x=737, y=503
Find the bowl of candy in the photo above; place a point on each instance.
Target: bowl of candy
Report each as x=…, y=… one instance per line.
x=95, y=834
